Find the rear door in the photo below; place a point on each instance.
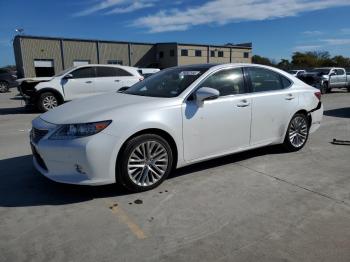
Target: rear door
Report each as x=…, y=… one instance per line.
x=111, y=79
x=81, y=85
x=273, y=104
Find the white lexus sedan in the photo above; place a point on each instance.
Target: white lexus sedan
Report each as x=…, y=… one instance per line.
x=174, y=118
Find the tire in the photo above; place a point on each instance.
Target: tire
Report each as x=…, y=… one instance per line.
x=297, y=133
x=324, y=88
x=47, y=101
x=4, y=87
x=348, y=88
x=138, y=170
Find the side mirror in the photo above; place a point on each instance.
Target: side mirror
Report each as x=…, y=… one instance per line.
x=68, y=76
x=123, y=89
x=206, y=93
x=333, y=74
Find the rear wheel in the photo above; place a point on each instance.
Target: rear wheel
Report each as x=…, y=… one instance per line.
x=145, y=162
x=325, y=89
x=297, y=133
x=47, y=101
x=4, y=87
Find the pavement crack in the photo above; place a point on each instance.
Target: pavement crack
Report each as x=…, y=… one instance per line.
x=339, y=201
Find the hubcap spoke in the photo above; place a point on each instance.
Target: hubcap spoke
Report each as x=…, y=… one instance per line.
x=148, y=163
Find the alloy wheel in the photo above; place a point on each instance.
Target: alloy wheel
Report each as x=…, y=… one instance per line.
x=50, y=102
x=147, y=163
x=298, y=131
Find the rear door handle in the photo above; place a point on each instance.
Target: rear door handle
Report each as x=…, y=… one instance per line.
x=88, y=82
x=290, y=97
x=117, y=80
x=243, y=103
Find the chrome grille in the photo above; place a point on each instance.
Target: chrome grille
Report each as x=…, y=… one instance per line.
x=37, y=134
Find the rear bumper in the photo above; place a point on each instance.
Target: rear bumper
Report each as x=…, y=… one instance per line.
x=316, y=117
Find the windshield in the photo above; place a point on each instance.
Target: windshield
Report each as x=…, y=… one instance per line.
x=321, y=71
x=64, y=72
x=168, y=83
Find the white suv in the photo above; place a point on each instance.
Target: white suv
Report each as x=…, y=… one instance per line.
x=76, y=82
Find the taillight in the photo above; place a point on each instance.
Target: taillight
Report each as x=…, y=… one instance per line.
x=318, y=95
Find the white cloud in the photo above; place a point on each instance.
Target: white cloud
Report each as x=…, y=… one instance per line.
x=312, y=33
x=345, y=31
x=229, y=11
x=307, y=47
x=130, y=8
x=120, y=6
x=336, y=41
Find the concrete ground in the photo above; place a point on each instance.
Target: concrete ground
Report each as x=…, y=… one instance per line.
x=262, y=205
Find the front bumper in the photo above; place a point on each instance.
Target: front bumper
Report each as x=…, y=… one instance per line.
x=84, y=161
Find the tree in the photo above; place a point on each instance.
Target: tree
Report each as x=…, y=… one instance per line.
x=256, y=59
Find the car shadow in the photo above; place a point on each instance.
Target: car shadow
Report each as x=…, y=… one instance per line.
x=21, y=185
x=16, y=111
x=339, y=112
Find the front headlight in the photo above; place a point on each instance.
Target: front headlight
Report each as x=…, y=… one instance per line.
x=71, y=131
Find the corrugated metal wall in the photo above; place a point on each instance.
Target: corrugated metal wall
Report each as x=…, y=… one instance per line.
x=79, y=50
x=167, y=60
x=40, y=49
x=142, y=55
x=113, y=51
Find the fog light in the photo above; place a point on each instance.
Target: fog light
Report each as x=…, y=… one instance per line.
x=79, y=169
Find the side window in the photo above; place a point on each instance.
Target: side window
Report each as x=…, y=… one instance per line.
x=340, y=72
x=122, y=72
x=227, y=81
x=266, y=80
x=84, y=72
x=286, y=82
x=105, y=71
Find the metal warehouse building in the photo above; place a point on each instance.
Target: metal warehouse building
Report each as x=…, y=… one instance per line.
x=46, y=56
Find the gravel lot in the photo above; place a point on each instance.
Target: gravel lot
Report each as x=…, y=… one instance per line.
x=262, y=205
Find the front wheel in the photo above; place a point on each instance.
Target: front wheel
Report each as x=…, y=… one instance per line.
x=145, y=162
x=47, y=101
x=297, y=133
x=4, y=87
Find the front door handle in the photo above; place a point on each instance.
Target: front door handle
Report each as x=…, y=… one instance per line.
x=116, y=80
x=88, y=82
x=243, y=103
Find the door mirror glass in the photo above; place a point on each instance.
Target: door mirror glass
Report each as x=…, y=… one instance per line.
x=206, y=93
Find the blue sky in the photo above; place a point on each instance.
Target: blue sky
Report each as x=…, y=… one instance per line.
x=277, y=28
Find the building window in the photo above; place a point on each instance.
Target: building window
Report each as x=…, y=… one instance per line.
x=161, y=54
x=221, y=54
x=198, y=53
x=184, y=52
x=246, y=54
x=212, y=53
x=81, y=62
x=115, y=62
x=44, y=67
x=172, y=52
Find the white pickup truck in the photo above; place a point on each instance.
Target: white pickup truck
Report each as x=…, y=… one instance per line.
x=332, y=77
x=46, y=93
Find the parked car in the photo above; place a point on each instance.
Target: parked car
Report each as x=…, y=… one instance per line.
x=297, y=73
x=146, y=72
x=7, y=79
x=327, y=78
x=77, y=82
x=180, y=116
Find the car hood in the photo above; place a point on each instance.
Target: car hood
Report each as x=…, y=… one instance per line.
x=101, y=107
x=34, y=79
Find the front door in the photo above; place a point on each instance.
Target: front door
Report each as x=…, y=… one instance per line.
x=81, y=85
x=219, y=126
